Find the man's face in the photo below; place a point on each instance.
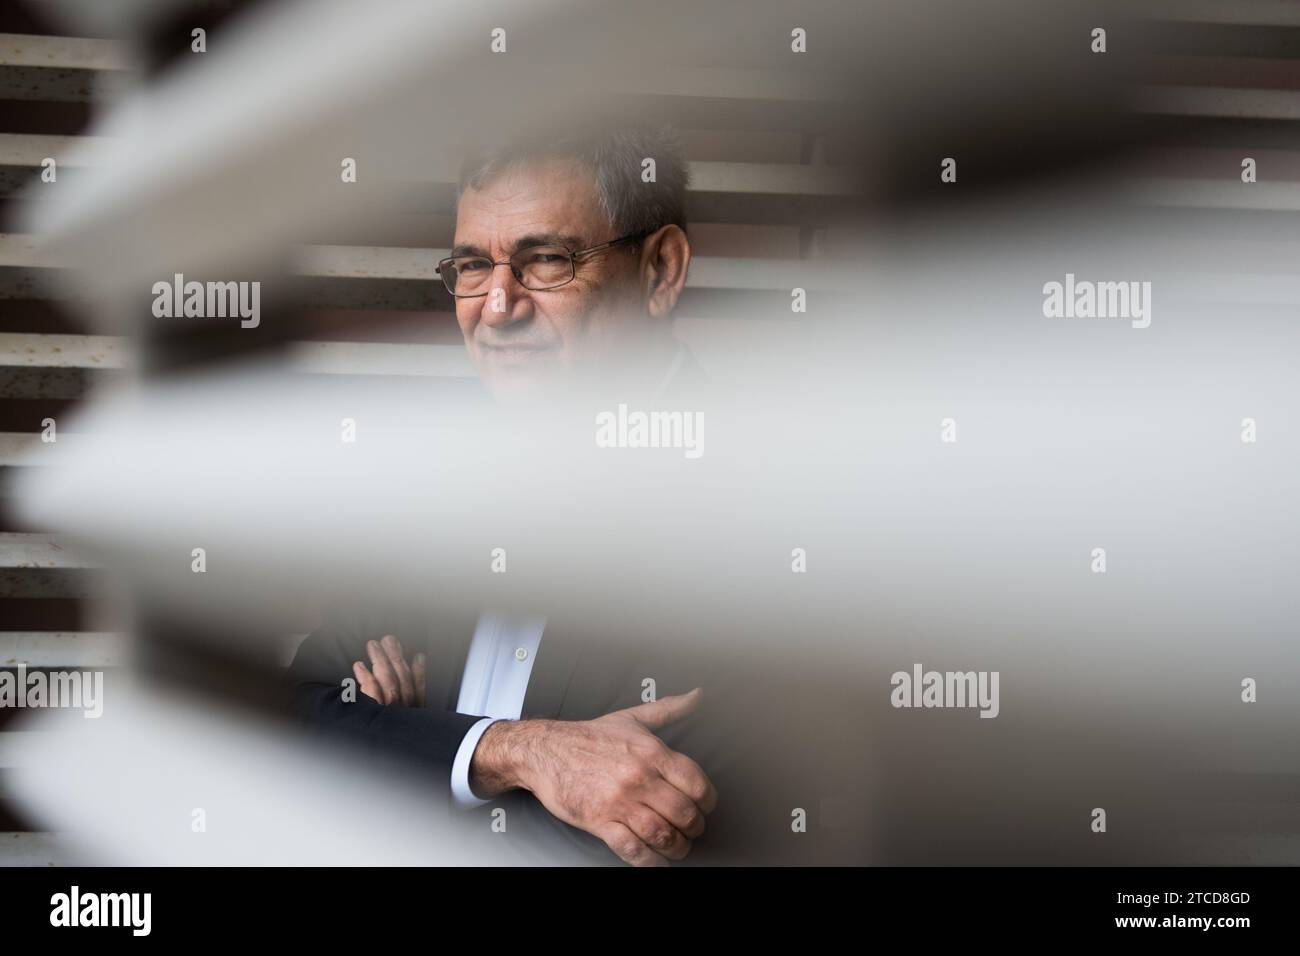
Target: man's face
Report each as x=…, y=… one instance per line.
x=525, y=342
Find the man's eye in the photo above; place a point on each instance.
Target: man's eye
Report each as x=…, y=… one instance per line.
x=546, y=258
x=473, y=265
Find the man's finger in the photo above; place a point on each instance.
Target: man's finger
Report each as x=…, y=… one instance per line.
x=689, y=777
x=405, y=684
x=383, y=671
x=657, y=833
x=366, y=681
x=629, y=847
x=418, y=672
x=677, y=808
x=666, y=710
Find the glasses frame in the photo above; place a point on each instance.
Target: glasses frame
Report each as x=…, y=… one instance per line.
x=573, y=264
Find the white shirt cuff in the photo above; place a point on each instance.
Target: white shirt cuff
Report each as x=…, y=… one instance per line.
x=460, y=789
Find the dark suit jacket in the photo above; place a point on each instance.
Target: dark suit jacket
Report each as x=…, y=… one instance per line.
x=736, y=736
x=429, y=735
x=573, y=678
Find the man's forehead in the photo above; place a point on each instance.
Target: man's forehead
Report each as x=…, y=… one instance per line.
x=545, y=199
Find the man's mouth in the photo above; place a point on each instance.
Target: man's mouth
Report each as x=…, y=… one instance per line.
x=513, y=354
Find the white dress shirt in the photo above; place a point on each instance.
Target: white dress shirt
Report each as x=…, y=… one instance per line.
x=494, y=683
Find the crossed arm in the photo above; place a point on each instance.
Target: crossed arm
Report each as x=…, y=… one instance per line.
x=610, y=776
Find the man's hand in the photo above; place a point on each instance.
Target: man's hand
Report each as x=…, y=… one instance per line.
x=610, y=776
x=392, y=681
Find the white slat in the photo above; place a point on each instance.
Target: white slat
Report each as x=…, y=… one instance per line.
x=1227, y=193
x=57, y=366
x=26, y=448
x=34, y=849
x=706, y=272
x=27, y=350
x=71, y=650
x=1274, y=13
x=793, y=179
x=380, y=358
x=1218, y=101
x=59, y=69
x=81, y=650
x=23, y=251
x=90, y=352
x=38, y=565
x=398, y=264
x=19, y=550
x=29, y=150
x=60, y=53
x=25, y=150
x=77, y=53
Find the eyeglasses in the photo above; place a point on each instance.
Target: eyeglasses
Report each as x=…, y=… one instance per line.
x=537, y=268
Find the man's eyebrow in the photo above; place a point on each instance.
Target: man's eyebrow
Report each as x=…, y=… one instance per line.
x=548, y=239
x=467, y=249
x=570, y=242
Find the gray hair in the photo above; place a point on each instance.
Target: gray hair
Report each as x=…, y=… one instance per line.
x=614, y=158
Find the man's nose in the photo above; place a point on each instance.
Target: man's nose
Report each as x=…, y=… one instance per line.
x=507, y=300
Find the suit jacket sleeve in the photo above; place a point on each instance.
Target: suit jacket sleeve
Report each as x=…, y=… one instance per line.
x=430, y=734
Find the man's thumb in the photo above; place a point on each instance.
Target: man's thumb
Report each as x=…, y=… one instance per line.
x=666, y=710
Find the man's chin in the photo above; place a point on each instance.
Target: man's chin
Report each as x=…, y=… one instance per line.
x=514, y=377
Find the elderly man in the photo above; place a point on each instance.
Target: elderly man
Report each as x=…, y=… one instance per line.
x=566, y=267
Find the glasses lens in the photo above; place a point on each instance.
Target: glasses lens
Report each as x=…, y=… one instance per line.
x=466, y=275
x=543, y=267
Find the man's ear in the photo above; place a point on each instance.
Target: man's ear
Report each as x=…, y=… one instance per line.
x=665, y=257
